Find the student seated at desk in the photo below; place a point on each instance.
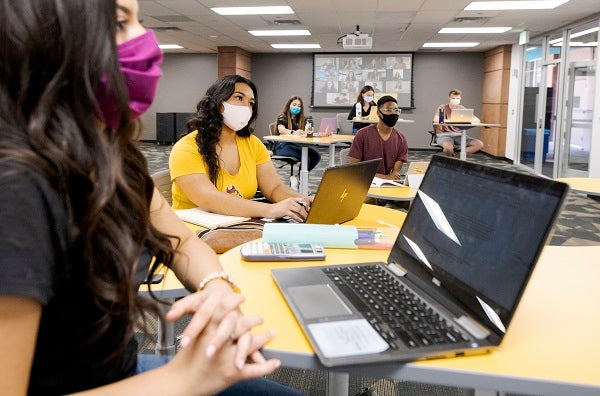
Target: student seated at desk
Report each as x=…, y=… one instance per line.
x=382, y=140
x=291, y=121
x=364, y=100
x=82, y=221
x=219, y=165
x=448, y=135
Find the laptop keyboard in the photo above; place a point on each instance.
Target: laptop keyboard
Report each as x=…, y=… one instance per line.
x=398, y=315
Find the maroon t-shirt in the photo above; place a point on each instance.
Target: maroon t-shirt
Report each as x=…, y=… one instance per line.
x=369, y=145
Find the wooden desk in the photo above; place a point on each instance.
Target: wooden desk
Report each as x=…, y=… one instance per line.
x=586, y=185
x=463, y=134
x=551, y=347
x=305, y=142
x=393, y=193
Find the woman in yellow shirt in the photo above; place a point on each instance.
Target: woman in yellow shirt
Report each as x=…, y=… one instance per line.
x=220, y=164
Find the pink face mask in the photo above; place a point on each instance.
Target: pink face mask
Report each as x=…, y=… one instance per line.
x=140, y=60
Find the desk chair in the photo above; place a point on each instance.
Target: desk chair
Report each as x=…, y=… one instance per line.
x=344, y=155
x=162, y=181
x=433, y=143
x=291, y=161
x=344, y=125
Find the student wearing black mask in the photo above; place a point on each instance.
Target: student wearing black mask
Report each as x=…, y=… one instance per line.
x=382, y=140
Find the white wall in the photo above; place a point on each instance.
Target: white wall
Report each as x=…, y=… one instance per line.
x=185, y=80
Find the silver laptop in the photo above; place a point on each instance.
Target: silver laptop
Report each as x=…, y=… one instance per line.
x=452, y=281
x=342, y=192
x=460, y=116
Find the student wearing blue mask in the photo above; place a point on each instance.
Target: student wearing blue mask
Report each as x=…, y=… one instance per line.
x=365, y=101
x=291, y=121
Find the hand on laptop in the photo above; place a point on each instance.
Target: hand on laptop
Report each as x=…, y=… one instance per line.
x=292, y=208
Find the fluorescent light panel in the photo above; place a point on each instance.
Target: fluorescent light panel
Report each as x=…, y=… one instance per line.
x=169, y=46
x=295, y=46
x=298, y=32
x=514, y=5
x=253, y=10
x=449, y=45
x=500, y=29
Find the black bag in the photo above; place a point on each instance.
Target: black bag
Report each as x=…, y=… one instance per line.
x=221, y=239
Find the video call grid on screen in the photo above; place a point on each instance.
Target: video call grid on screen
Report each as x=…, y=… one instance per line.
x=338, y=78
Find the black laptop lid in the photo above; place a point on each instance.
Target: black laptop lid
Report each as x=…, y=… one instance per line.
x=478, y=231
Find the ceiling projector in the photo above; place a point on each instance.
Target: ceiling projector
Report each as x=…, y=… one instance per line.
x=356, y=40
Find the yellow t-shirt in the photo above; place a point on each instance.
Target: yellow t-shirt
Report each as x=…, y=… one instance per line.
x=186, y=160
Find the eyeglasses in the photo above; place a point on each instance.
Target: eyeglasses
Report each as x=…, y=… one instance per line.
x=395, y=110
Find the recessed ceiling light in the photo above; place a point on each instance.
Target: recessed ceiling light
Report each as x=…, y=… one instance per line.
x=515, y=5
x=449, y=45
x=253, y=10
x=501, y=29
x=297, y=32
x=295, y=46
x=169, y=46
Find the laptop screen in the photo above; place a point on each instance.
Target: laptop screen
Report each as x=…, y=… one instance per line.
x=478, y=231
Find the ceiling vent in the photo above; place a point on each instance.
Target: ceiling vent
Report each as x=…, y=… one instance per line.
x=471, y=19
x=172, y=18
x=166, y=29
x=286, y=22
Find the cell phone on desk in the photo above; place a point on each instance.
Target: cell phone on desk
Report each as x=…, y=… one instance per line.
x=273, y=251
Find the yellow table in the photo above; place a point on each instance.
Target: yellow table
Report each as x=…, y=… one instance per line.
x=305, y=142
x=586, y=185
x=551, y=348
x=393, y=193
x=463, y=134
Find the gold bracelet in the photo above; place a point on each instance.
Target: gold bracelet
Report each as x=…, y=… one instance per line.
x=218, y=275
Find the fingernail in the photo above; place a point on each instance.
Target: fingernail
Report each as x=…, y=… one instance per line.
x=240, y=364
x=210, y=350
x=185, y=341
x=277, y=363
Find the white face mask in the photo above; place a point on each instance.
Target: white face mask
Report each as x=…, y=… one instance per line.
x=455, y=101
x=368, y=99
x=236, y=117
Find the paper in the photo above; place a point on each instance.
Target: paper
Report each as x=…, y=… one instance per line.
x=347, y=338
x=379, y=182
x=206, y=219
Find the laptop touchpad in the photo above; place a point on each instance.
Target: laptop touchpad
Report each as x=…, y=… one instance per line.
x=318, y=301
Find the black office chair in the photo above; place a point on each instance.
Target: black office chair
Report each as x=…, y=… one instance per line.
x=291, y=161
x=432, y=142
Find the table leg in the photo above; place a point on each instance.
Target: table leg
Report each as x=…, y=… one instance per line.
x=337, y=383
x=166, y=343
x=332, y=154
x=463, y=145
x=304, y=171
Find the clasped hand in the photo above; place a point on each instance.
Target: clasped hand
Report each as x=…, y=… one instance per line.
x=218, y=347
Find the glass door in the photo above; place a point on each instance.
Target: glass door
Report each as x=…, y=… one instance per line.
x=532, y=78
x=578, y=126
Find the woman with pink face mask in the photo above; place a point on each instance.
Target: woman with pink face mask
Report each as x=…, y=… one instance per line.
x=219, y=165
x=82, y=221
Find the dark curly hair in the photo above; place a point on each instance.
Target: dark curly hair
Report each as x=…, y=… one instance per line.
x=54, y=54
x=208, y=120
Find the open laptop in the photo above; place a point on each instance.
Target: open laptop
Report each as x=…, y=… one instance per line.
x=328, y=125
x=454, y=277
x=460, y=116
x=342, y=192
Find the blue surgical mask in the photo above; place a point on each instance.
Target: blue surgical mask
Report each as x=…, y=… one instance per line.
x=295, y=110
x=368, y=99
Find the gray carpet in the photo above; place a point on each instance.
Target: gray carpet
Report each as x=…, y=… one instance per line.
x=578, y=224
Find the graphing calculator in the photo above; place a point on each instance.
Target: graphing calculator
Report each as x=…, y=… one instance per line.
x=264, y=251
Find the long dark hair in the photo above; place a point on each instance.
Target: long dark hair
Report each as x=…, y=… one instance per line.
x=54, y=54
x=208, y=120
x=285, y=112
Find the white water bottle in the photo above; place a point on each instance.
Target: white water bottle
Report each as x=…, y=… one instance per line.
x=358, y=110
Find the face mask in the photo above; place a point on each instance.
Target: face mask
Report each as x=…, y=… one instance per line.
x=389, y=119
x=454, y=101
x=368, y=99
x=140, y=60
x=295, y=110
x=236, y=117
